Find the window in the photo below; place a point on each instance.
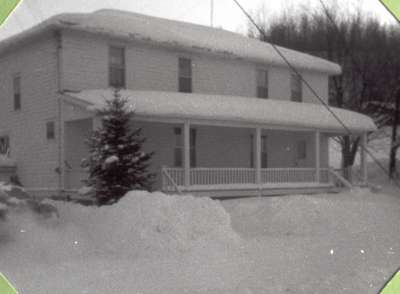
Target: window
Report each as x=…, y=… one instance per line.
x=4, y=145
x=264, y=152
x=185, y=75
x=193, y=161
x=296, y=88
x=178, y=161
x=117, y=67
x=252, y=151
x=17, y=92
x=178, y=150
x=262, y=84
x=264, y=155
x=50, y=130
x=301, y=150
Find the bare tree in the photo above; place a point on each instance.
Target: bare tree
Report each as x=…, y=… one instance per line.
x=367, y=51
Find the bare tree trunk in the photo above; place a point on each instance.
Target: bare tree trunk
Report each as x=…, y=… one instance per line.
x=395, y=143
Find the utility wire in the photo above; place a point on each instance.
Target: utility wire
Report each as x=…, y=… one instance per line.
x=299, y=75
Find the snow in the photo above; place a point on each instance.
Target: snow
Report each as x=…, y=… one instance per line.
x=111, y=159
x=176, y=35
x=147, y=243
x=154, y=243
x=233, y=109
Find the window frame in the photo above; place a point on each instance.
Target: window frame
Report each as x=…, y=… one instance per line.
x=114, y=67
x=184, y=76
x=262, y=88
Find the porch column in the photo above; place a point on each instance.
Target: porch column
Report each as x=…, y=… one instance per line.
x=257, y=152
x=317, y=156
x=363, y=157
x=186, y=152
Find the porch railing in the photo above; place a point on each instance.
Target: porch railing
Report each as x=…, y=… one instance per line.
x=221, y=176
x=173, y=178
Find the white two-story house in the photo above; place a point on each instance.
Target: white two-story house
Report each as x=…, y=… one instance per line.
x=223, y=113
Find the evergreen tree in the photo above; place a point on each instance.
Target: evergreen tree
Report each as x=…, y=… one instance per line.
x=116, y=162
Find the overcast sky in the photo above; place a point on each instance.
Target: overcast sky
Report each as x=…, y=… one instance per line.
x=226, y=14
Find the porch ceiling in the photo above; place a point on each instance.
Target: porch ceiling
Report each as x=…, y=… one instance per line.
x=228, y=109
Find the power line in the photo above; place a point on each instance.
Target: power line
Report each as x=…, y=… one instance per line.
x=323, y=102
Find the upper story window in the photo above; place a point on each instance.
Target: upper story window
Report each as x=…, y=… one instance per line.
x=296, y=88
x=4, y=145
x=185, y=75
x=17, y=92
x=262, y=84
x=117, y=67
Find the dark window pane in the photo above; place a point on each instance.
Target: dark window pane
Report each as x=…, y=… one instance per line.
x=50, y=130
x=17, y=101
x=185, y=85
x=178, y=157
x=264, y=159
x=4, y=145
x=296, y=88
x=17, y=92
x=301, y=150
x=262, y=92
x=117, y=67
x=185, y=67
x=193, y=159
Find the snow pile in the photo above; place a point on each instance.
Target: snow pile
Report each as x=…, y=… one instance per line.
x=156, y=243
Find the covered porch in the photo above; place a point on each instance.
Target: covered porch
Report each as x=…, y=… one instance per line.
x=273, y=162
x=227, y=146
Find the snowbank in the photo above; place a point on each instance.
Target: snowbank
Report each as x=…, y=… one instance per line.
x=159, y=244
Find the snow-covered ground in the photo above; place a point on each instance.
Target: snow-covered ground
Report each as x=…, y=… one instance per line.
x=153, y=243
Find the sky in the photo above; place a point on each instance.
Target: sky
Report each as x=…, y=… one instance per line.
x=226, y=14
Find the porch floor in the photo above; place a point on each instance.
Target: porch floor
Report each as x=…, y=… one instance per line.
x=251, y=190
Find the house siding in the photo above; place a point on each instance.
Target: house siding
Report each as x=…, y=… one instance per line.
x=85, y=59
x=36, y=63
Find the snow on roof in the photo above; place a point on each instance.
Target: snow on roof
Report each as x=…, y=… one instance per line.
x=176, y=34
x=244, y=110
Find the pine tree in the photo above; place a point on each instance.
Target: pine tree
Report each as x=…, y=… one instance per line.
x=116, y=162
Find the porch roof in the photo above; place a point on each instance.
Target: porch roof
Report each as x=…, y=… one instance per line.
x=229, y=109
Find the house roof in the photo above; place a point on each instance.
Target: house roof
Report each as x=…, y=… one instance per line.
x=178, y=35
x=231, y=109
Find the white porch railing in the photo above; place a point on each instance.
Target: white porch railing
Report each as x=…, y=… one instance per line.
x=221, y=176
x=173, y=179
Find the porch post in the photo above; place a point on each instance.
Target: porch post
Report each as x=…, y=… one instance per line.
x=363, y=157
x=257, y=145
x=317, y=156
x=186, y=151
